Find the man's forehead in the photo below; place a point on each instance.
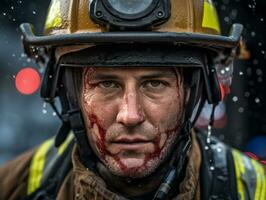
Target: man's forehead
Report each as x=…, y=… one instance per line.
x=101, y=72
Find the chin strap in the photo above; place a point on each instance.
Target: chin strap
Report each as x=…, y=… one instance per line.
x=183, y=146
x=183, y=143
x=72, y=119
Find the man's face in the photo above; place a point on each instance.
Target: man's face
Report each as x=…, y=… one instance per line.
x=132, y=116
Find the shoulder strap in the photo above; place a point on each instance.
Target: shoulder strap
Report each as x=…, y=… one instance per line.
x=229, y=174
x=217, y=179
x=49, y=167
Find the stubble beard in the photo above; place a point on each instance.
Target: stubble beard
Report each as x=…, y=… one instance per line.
x=148, y=167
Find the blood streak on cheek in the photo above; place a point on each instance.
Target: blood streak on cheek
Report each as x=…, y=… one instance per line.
x=102, y=132
x=157, y=149
x=121, y=165
x=101, y=143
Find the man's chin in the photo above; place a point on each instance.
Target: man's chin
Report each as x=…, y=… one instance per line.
x=132, y=167
x=131, y=163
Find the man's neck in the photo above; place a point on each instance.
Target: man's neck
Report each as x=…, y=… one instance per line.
x=130, y=187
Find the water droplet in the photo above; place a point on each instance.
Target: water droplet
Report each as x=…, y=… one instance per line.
x=206, y=148
x=253, y=34
x=222, y=71
x=212, y=168
x=259, y=72
x=241, y=110
x=257, y=100
x=209, y=134
x=235, y=99
x=34, y=12
x=247, y=94
x=226, y=19
x=23, y=55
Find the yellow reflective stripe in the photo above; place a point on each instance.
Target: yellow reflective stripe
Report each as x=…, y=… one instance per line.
x=260, y=181
x=37, y=165
x=263, y=193
x=240, y=169
x=63, y=147
x=210, y=17
x=54, y=17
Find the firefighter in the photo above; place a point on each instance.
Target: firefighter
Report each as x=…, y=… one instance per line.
x=132, y=78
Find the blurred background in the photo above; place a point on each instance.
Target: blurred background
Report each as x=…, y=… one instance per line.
x=25, y=120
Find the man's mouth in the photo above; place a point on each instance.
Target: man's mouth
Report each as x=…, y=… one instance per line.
x=131, y=143
x=128, y=140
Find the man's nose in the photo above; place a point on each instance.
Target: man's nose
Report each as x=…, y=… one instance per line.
x=130, y=110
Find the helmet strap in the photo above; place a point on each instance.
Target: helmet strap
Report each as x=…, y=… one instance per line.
x=177, y=164
x=195, y=96
x=211, y=122
x=75, y=119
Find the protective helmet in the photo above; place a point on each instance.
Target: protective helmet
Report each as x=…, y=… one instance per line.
x=94, y=22
x=116, y=33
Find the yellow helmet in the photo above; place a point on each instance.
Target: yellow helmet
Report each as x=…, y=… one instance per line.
x=177, y=16
x=97, y=21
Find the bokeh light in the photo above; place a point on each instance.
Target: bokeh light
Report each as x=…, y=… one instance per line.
x=27, y=81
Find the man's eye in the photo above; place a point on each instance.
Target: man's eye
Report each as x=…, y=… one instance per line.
x=108, y=84
x=155, y=84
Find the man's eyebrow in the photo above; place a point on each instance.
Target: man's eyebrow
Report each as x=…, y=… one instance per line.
x=100, y=76
x=158, y=75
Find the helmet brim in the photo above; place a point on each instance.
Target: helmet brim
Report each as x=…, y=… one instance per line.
x=32, y=42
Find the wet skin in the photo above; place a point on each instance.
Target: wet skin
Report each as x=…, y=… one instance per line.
x=132, y=116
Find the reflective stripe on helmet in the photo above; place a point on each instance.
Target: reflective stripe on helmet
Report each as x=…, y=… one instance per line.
x=210, y=17
x=251, y=177
x=54, y=17
x=37, y=166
